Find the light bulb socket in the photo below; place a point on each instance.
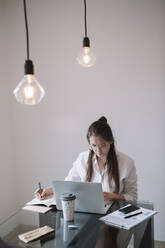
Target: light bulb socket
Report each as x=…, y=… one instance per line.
x=86, y=42
x=28, y=67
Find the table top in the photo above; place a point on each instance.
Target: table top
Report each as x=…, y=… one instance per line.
x=89, y=231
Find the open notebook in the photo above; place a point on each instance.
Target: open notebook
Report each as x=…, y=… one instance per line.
x=41, y=206
x=48, y=202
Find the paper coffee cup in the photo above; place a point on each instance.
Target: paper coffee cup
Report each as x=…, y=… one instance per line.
x=68, y=200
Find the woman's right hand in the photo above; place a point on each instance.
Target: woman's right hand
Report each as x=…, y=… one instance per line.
x=45, y=193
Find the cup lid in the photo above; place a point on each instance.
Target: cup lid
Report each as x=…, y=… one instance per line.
x=67, y=197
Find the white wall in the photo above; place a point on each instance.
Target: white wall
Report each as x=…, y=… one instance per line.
x=126, y=85
x=8, y=194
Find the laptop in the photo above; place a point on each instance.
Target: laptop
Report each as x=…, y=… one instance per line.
x=89, y=196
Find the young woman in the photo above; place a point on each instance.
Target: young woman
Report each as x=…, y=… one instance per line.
x=103, y=164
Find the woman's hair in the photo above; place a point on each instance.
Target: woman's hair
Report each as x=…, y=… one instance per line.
x=102, y=129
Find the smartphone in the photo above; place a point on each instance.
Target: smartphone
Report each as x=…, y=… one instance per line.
x=129, y=209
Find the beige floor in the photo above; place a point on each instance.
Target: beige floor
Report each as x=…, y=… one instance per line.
x=159, y=244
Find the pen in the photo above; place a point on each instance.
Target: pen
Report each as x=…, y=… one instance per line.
x=39, y=185
x=129, y=216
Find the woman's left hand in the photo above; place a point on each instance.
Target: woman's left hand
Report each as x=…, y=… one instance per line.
x=108, y=196
x=112, y=196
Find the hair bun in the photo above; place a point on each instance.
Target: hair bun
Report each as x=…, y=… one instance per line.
x=103, y=119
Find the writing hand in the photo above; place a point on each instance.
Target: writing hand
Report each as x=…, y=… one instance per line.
x=41, y=196
x=45, y=193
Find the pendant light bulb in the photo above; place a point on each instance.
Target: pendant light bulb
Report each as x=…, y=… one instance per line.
x=28, y=91
x=86, y=58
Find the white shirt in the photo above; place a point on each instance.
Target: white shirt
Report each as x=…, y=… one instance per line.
x=127, y=174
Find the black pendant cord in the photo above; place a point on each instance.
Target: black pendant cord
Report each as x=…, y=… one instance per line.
x=85, y=17
x=26, y=26
x=28, y=66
